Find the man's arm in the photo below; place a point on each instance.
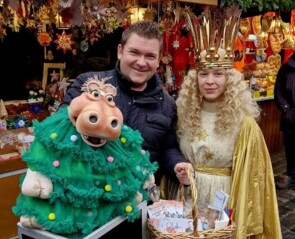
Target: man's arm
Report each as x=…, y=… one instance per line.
x=172, y=160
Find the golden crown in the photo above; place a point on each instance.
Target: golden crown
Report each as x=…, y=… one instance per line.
x=213, y=34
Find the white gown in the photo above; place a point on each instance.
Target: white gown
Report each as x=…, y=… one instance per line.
x=211, y=150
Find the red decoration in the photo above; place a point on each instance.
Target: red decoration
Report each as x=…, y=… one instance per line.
x=44, y=39
x=64, y=42
x=180, y=54
x=66, y=15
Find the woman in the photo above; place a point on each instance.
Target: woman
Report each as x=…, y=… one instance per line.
x=218, y=133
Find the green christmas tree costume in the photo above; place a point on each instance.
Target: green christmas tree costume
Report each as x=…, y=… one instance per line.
x=90, y=186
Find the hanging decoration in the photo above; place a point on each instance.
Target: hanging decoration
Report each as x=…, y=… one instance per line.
x=64, y=42
x=65, y=3
x=96, y=18
x=149, y=13
x=179, y=53
x=256, y=25
x=137, y=14
x=292, y=23
x=50, y=56
x=63, y=85
x=3, y=111
x=176, y=44
x=44, y=39
x=2, y=29
x=84, y=46
x=245, y=27
x=43, y=14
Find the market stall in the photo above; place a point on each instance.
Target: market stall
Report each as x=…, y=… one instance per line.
x=267, y=43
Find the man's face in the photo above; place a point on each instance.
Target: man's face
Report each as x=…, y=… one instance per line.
x=139, y=60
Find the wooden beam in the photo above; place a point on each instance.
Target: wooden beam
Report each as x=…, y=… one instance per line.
x=206, y=2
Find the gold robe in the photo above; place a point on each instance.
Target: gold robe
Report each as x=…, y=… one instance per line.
x=253, y=194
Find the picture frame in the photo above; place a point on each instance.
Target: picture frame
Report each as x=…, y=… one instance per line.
x=52, y=66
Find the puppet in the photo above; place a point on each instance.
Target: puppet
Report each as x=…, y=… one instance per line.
x=85, y=167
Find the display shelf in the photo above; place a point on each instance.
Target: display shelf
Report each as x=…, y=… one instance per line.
x=17, y=102
x=15, y=163
x=38, y=234
x=10, y=172
x=264, y=98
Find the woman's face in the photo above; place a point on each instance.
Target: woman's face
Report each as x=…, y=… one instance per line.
x=211, y=83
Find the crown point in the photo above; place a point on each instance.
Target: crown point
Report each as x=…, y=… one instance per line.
x=212, y=49
x=216, y=57
x=228, y=49
x=197, y=58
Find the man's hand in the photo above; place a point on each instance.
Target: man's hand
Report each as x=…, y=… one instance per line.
x=181, y=174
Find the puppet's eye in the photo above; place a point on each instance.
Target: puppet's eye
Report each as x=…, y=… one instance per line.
x=95, y=93
x=109, y=98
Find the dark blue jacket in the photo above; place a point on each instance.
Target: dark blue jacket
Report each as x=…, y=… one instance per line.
x=152, y=112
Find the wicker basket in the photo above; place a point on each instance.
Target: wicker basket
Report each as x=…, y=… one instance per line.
x=224, y=233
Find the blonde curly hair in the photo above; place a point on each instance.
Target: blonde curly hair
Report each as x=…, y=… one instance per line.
x=236, y=104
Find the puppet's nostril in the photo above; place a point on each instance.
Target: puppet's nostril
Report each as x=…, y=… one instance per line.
x=93, y=119
x=114, y=123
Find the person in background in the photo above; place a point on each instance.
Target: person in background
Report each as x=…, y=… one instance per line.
x=284, y=97
x=140, y=97
x=218, y=133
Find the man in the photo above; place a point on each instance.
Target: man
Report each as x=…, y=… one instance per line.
x=284, y=96
x=140, y=97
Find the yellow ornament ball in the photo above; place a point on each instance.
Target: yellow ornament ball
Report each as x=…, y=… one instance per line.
x=53, y=135
x=123, y=140
x=51, y=216
x=108, y=188
x=128, y=208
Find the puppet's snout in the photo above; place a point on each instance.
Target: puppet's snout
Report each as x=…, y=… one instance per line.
x=99, y=124
x=110, y=122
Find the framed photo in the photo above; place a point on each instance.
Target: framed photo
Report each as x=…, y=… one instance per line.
x=49, y=68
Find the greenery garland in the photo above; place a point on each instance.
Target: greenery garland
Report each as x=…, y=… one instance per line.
x=261, y=5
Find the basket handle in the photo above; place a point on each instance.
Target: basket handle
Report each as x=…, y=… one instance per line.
x=194, y=195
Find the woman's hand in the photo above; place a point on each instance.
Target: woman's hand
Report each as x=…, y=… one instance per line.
x=181, y=174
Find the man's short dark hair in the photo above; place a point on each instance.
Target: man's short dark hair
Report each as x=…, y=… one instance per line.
x=146, y=29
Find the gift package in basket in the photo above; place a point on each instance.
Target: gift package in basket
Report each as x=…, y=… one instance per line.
x=167, y=219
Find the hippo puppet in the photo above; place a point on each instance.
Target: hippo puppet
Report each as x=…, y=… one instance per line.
x=85, y=167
